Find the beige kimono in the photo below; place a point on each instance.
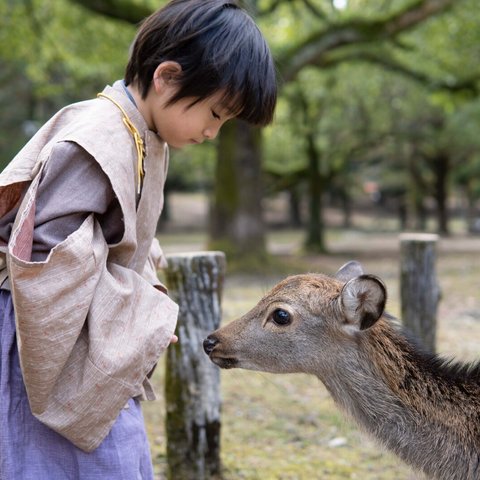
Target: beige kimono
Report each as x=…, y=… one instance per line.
x=90, y=323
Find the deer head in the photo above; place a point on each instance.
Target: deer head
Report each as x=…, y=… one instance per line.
x=304, y=323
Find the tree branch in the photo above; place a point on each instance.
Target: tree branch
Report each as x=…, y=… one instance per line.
x=415, y=14
x=270, y=9
x=315, y=10
x=358, y=31
x=118, y=9
x=468, y=84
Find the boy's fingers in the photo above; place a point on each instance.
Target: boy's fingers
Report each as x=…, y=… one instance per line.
x=174, y=339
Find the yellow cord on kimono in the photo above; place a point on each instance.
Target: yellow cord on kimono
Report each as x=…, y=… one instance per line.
x=138, y=141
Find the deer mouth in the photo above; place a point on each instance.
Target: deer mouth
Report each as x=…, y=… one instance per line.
x=224, y=362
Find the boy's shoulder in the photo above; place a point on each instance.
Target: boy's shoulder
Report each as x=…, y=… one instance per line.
x=99, y=123
x=91, y=118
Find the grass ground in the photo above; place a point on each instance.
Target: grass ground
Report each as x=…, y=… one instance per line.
x=285, y=427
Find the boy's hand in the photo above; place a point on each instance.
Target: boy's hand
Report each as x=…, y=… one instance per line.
x=174, y=339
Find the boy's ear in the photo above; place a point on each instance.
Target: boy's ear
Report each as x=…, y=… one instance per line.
x=166, y=75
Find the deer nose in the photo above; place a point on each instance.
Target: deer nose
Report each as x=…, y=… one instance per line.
x=209, y=344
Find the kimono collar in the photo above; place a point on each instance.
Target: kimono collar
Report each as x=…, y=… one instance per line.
x=137, y=138
x=132, y=120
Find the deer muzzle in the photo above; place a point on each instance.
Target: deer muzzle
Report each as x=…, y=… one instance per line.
x=210, y=345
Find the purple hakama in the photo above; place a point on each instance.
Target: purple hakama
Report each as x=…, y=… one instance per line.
x=31, y=451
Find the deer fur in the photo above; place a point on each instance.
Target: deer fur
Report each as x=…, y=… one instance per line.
x=424, y=409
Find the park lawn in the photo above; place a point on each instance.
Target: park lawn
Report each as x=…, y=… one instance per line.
x=286, y=427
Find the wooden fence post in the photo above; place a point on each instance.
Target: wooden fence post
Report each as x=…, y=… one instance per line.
x=192, y=382
x=419, y=290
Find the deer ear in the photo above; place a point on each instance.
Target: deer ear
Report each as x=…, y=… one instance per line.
x=362, y=300
x=348, y=271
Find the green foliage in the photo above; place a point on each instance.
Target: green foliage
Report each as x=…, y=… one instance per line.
x=62, y=46
x=462, y=134
x=379, y=110
x=372, y=106
x=52, y=53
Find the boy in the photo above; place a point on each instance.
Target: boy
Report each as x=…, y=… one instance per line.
x=83, y=317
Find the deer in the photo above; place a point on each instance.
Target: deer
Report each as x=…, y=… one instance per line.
x=424, y=409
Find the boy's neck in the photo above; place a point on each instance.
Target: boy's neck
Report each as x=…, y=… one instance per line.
x=141, y=104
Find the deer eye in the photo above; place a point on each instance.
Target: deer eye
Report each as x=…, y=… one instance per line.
x=281, y=317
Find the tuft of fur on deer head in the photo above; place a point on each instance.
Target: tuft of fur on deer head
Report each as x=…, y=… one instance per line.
x=426, y=410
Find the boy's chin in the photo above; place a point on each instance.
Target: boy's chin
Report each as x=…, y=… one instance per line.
x=179, y=146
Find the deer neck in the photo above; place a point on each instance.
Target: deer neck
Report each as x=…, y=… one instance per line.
x=409, y=401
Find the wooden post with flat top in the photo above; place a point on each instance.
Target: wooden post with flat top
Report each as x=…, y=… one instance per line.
x=192, y=382
x=419, y=289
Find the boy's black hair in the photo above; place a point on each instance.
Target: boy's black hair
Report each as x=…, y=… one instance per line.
x=219, y=48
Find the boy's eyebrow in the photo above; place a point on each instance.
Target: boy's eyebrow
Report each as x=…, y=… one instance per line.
x=228, y=112
x=223, y=108
x=231, y=107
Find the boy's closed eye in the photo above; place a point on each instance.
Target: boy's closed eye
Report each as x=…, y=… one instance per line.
x=215, y=115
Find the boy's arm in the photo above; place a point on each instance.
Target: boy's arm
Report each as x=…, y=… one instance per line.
x=73, y=185
x=156, y=260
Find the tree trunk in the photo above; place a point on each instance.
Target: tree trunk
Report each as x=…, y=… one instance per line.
x=442, y=169
x=192, y=385
x=236, y=221
x=417, y=194
x=419, y=289
x=402, y=212
x=471, y=209
x=236, y=217
x=315, y=240
x=294, y=207
x=346, y=202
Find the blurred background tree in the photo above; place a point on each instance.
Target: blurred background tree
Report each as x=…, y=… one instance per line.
x=378, y=99
x=52, y=53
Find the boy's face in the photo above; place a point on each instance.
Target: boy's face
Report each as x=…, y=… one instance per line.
x=184, y=124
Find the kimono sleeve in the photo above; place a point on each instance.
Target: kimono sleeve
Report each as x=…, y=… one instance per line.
x=89, y=331
x=156, y=260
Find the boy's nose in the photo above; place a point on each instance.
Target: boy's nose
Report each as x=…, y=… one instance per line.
x=210, y=133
